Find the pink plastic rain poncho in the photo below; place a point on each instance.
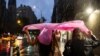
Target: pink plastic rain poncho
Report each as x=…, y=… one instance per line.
x=45, y=35
x=70, y=25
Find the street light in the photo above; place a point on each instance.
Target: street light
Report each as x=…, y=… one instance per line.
x=92, y=20
x=19, y=21
x=89, y=10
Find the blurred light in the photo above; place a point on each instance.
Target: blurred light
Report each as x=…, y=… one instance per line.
x=8, y=33
x=93, y=18
x=34, y=7
x=18, y=42
x=18, y=21
x=89, y=10
x=20, y=37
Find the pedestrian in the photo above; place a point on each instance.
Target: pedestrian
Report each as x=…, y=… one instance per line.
x=55, y=44
x=76, y=44
x=91, y=42
x=44, y=50
x=45, y=42
x=33, y=45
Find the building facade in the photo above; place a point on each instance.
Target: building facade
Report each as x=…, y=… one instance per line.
x=2, y=13
x=12, y=15
x=25, y=13
x=26, y=16
x=63, y=10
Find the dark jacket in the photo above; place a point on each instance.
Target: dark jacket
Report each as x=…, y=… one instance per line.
x=74, y=48
x=90, y=44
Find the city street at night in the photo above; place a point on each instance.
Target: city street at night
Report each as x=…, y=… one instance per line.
x=49, y=27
